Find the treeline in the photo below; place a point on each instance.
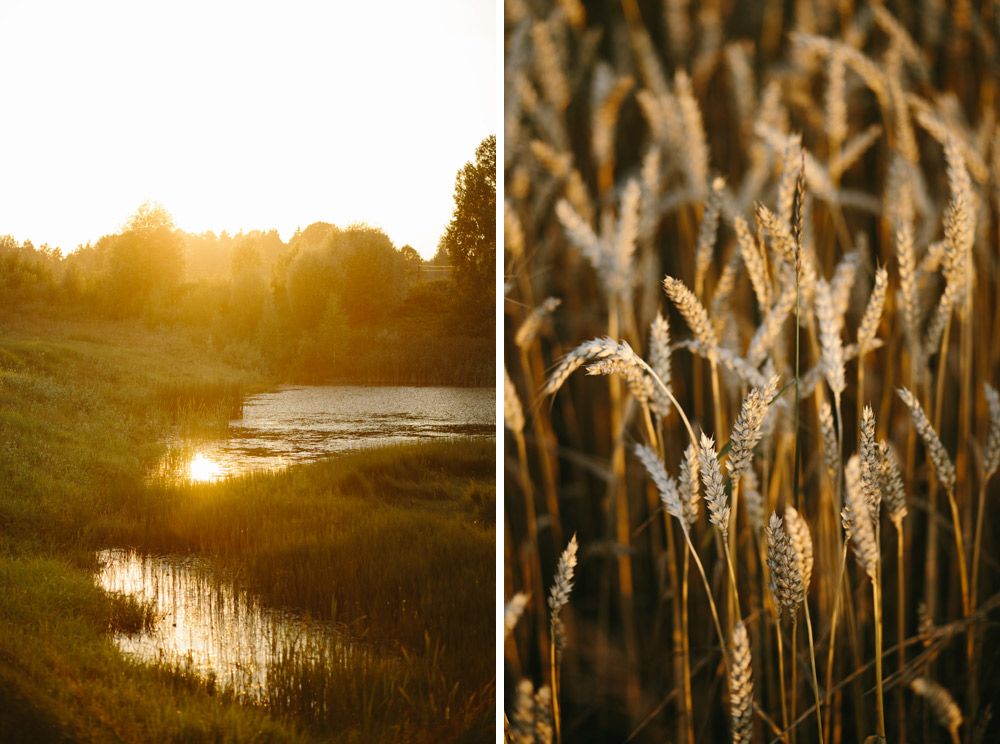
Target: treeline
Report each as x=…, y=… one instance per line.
x=331, y=304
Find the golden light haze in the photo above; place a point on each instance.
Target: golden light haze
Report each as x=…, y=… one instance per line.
x=241, y=115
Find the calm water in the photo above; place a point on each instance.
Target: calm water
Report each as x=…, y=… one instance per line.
x=207, y=627
x=299, y=424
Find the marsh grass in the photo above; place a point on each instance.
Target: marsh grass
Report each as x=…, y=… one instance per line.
x=85, y=407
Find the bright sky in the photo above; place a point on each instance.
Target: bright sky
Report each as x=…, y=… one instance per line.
x=252, y=115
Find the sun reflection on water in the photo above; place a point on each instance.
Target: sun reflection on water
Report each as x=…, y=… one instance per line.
x=204, y=469
x=208, y=627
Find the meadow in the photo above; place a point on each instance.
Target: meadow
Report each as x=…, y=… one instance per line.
x=751, y=311
x=393, y=545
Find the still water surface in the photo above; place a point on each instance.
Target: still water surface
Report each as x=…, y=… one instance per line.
x=300, y=424
x=208, y=628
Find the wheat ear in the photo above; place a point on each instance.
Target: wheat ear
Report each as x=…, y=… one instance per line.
x=659, y=359
x=946, y=474
x=991, y=459
x=871, y=468
x=895, y=501
x=802, y=546
x=945, y=708
x=785, y=586
x=513, y=415
x=558, y=598
x=672, y=503
x=718, y=506
x=741, y=687
x=522, y=720
x=512, y=612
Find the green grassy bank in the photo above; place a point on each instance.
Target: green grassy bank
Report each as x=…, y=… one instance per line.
x=395, y=544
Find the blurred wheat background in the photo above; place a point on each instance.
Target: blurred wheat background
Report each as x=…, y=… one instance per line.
x=751, y=347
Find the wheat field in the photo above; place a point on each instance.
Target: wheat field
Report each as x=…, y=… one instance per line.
x=751, y=352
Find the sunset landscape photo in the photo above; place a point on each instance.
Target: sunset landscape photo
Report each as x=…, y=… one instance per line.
x=247, y=372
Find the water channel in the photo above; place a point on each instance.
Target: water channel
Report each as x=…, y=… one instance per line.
x=299, y=424
x=206, y=626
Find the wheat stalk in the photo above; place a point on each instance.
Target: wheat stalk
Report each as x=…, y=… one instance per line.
x=946, y=475
x=672, y=503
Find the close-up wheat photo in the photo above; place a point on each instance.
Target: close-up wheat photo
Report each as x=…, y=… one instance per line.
x=750, y=321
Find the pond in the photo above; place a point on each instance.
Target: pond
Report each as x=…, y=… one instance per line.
x=206, y=627
x=302, y=423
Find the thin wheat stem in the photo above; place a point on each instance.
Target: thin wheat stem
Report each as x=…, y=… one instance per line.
x=781, y=679
x=711, y=601
x=666, y=390
x=833, y=636
x=688, y=704
x=861, y=384
x=812, y=659
x=647, y=417
x=543, y=436
x=901, y=630
x=960, y=547
x=619, y=495
x=555, y=684
x=839, y=504
x=677, y=631
x=795, y=475
x=976, y=544
x=932, y=490
x=877, y=600
x=793, y=656
x=731, y=548
x=732, y=577
x=529, y=502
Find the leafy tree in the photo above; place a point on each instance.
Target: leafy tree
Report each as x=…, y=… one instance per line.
x=370, y=272
x=308, y=282
x=410, y=257
x=470, y=237
x=321, y=349
x=145, y=261
x=313, y=237
x=25, y=272
x=247, y=289
x=245, y=257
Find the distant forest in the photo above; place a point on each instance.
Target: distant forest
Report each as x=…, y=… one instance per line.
x=330, y=305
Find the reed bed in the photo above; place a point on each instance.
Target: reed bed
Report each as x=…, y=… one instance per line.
x=772, y=229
